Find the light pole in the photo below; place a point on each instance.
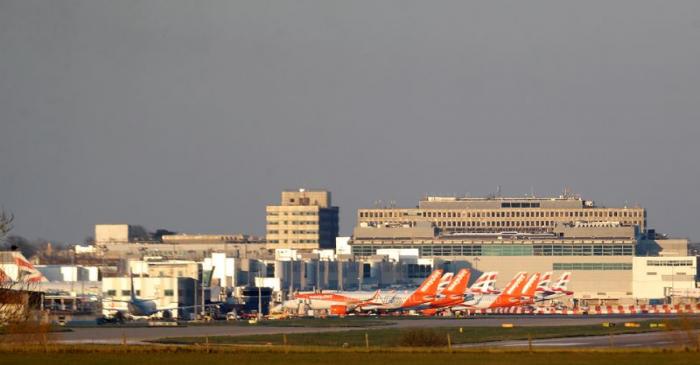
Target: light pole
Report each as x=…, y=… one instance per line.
x=673, y=279
x=259, y=294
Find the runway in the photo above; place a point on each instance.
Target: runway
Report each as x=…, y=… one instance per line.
x=137, y=335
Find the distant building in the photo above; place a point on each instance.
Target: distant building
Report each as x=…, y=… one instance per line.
x=121, y=241
x=511, y=234
x=183, y=238
x=158, y=268
x=453, y=214
x=69, y=272
x=113, y=233
x=304, y=220
x=661, y=277
x=167, y=292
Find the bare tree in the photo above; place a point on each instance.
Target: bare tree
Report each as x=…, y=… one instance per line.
x=6, y=220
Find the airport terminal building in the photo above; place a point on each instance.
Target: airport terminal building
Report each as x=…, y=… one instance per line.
x=601, y=246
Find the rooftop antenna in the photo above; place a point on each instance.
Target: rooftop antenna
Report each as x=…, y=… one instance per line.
x=498, y=191
x=532, y=191
x=567, y=192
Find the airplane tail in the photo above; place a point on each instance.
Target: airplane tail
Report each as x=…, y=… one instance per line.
x=133, y=292
x=430, y=284
x=482, y=284
x=563, y=281
x=479, y=281
x=528, y=291
x=459, y=283
x=515, y=286
x=490, y=286
x=427, y=290
x=26, y=271
x=544, y=282
x=445, y=280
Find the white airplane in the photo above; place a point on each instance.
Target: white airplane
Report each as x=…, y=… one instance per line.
x=141, y=307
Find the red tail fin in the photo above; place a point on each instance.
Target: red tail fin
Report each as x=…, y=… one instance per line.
x=458, y=285
x=515, y=286
x=430, y=284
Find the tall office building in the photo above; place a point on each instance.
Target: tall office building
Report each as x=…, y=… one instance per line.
x=304, y=220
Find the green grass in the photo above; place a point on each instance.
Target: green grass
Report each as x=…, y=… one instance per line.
x=390, y=337
x=351, y=358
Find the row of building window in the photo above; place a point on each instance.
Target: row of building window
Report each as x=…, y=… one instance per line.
x=292, y=213
x=520, y=205
x=274, y=231
x=449, y=224
x=583, y=250
x=418, y=270
x=293, y=241
x=591, y=266
x=504, y=250
x=596, y=213
x=295, y=223
x=670, y=263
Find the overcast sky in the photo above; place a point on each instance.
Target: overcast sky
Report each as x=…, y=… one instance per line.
x=193, y=115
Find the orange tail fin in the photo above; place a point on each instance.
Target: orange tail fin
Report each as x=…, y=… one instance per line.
x=459, y=283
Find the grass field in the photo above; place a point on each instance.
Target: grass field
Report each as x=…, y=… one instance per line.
x=340, y=358
x=390, y=337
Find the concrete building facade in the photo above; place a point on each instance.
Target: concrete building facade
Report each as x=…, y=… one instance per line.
x=113, y=233
x=164, y=268
x=496, y=214
x=304, y=220
x=659, y=277
x=167, y=292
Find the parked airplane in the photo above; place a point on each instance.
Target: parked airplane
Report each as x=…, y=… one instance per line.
x=453, y=293
x=557, y=290
x=444, y=281
x=328, y=300
x=545, y=281
x=140, y=307
x=416, y=300
x=509, y=297
x=529, y=290
x=485, y=284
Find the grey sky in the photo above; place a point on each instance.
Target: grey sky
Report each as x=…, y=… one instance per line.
x=190, y=115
